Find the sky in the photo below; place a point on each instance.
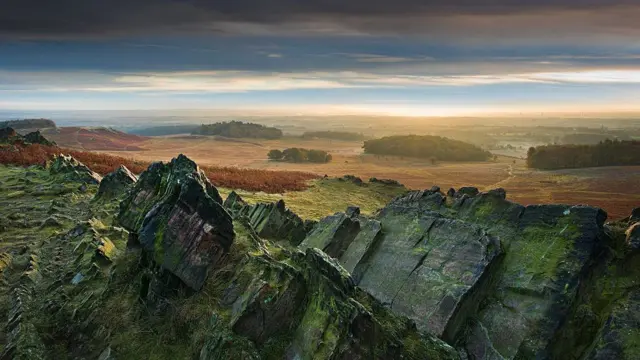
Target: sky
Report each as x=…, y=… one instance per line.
x=400, y=57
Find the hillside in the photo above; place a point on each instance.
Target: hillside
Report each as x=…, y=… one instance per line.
x=605, y=153
x=239, y=129
x=32, y=124
x=94, y=138
x=426, y=147
x=107, y=268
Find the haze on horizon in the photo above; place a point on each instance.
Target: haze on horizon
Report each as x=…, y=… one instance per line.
x=406, y=57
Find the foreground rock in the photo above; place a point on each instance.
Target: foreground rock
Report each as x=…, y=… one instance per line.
x=179, y=219
x=494, y=277
x=116, y=184
x=271, y=221
x=69, y=169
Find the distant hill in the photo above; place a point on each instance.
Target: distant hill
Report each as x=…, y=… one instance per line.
x=426, y=147
x=606, y=153
x=239, y=129
x=334, y=135
x=94, y=138
x=28, y=124
x=165, y=130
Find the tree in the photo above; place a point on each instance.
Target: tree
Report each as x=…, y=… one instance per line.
x=275, y=155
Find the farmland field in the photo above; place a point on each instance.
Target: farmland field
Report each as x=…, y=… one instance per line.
x=615, y=189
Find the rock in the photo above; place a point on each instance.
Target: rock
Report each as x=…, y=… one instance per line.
x=451, y=192
x=9, y=135
x=179, y=219
x=234, y=203
x=468, y=190
x=274, y=221
x=362, y=245
x=619, y=336
x=499, y=193
x=353, y=179
x=115, y=184
x=435, y=189
x=388, y=182
x=37, y=138
x=417, y=272
x=333, y=235
x=153, y=185
x=549, y=249
x=352, y=211
x=633, y=237
x=71, y=169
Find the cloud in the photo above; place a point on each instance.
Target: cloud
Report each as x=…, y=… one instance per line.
x=196, y=82
x=465, y=20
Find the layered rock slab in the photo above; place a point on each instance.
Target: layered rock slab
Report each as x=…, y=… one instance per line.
x=428, y=267
x=115, y=184
x=69, y=169
x=179, y=219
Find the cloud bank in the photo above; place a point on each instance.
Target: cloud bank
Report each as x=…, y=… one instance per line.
x=468, y=20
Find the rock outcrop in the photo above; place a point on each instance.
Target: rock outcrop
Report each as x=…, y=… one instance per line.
x=115, y=184
x=69, y=169
x=179, y=219
x=491, y=276
x=388, y=182
x=9, y=135
x=37, y=138
x=271, y=221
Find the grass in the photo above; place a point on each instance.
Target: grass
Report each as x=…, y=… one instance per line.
x=327, y=196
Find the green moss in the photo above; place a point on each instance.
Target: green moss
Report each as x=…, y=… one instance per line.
x=631, y=343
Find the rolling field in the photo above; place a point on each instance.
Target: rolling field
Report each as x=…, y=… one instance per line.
x=615, y=189
x=86, y=138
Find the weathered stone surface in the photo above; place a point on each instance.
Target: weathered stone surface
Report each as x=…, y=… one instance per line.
x=620, y=337
x=333, y=234
x=468, y=190
x=116, y=184
x=155, y=185
x=363, y=245
x=510, y=272
x=547, y=254
x=274, y=221
x=635, y=215
x=71, y=169
x=179, y=219
x=234, y=203
x=429, y=268
x=633, y=237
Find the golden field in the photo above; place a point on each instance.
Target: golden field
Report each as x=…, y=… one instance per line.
x=615, y=189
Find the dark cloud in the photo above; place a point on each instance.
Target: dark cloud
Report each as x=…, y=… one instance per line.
x=461, y=18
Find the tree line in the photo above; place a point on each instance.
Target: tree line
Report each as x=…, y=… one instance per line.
x=239, y=129
x=605, y=153
x=426, y=147
x=300, y=155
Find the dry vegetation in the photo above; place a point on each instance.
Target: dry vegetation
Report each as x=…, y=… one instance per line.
x=83, y=138
x=614, y=189
x=245, y=179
